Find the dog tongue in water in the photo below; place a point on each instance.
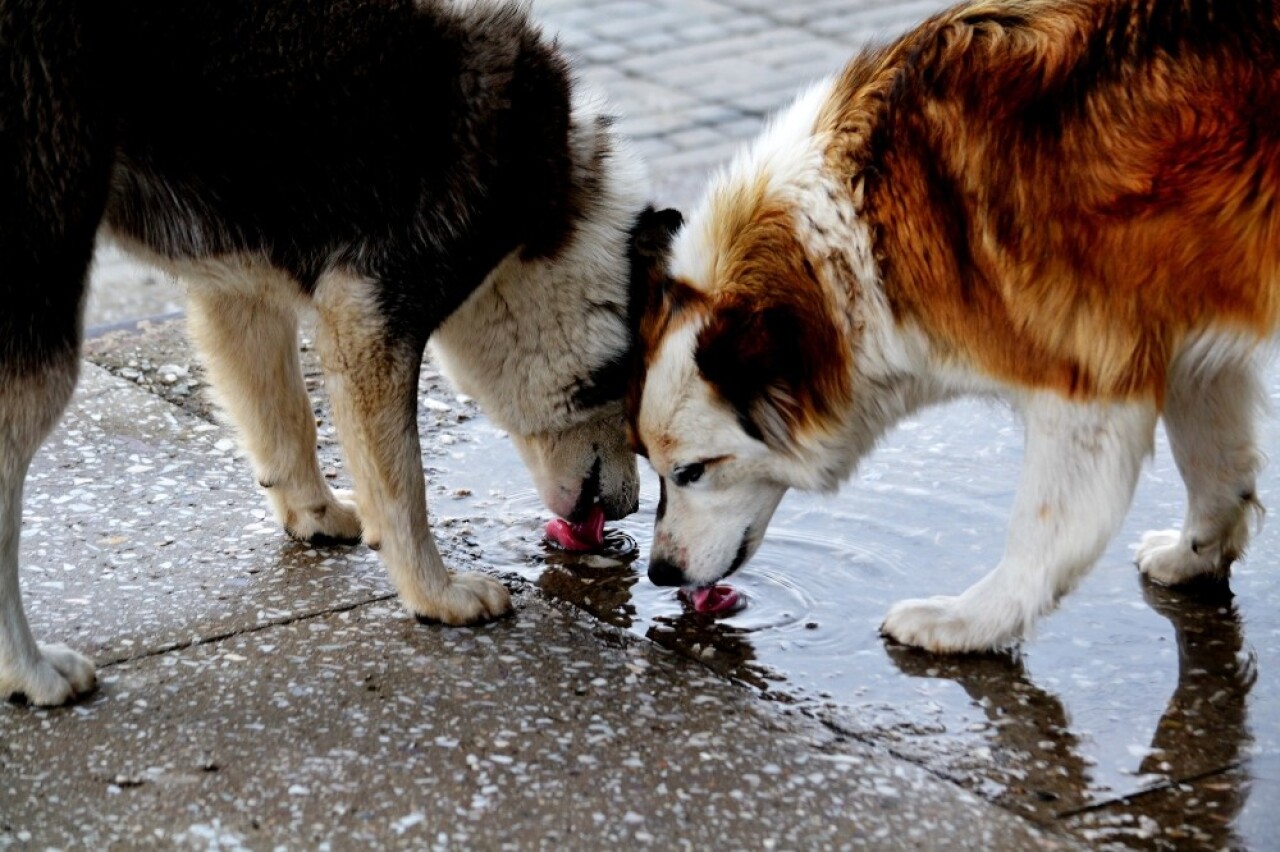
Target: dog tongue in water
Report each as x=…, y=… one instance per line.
x=588, y=535
x=713, y=600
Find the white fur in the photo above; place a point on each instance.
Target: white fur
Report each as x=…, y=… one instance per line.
x=788, y=156
x=1081, y=462
x=706, y=523
x=1209, y=416
x=1078, y=475
x=532, y=331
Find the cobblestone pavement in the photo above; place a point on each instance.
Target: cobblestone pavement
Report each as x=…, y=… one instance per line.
x=694, y=79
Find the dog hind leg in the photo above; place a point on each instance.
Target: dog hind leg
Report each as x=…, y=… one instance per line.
x=29, y=408
x=1209, y=417
x=249, y=343
x=373, y=382
x=55, y=162
x=1078, y=476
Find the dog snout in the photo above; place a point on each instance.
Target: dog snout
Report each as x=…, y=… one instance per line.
x=664, y=573
x=616, y=510
x=588, y=494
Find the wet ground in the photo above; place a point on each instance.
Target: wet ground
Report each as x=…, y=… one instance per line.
x=1137, y=716
x=259, y=693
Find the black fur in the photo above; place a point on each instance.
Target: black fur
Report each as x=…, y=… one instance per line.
x=647, y=248
x=413, y=144
x=55, y=151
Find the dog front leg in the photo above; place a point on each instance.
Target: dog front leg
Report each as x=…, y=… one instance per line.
x=1078, y=475
x=249, y=342
x=373, y=382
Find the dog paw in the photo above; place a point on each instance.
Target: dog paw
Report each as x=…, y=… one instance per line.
x=57, y=676
x=468, y=599
x=1164, y=558
x=944, y=625
x=333, y=521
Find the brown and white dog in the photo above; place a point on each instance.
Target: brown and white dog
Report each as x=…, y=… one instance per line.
x=1071, y=204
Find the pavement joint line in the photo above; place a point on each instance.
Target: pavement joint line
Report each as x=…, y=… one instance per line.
x=940, y=774
x=1163, y=786
x=297, y=618
x=937, y=772
x=217, y=638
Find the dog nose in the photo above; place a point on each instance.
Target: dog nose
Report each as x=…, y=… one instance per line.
x=663, y=573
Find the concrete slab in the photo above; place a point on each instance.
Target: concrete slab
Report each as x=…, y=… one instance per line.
x=257, y=693
x=143, y=530
x=542, y=731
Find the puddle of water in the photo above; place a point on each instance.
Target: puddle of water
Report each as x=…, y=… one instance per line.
x=1125, y=689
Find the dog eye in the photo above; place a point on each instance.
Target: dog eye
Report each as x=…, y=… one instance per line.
x=688, y=474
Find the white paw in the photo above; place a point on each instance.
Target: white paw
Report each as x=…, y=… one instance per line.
x=56, y=676
x=1165, y=559
x=468, y=599
x=334, y=519
x=946, y=625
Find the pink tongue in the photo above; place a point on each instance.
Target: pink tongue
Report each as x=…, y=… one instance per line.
x=715, y=600
x=588, y=535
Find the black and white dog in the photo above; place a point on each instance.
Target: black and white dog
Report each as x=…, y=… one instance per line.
x=408, y=168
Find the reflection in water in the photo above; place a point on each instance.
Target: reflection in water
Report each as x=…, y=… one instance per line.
x=1202, y=742
x=1034, y=762
x=1206, y=720
x=1062, y=733
x=1037, y=761
x=599, y=583
x=1197, y=753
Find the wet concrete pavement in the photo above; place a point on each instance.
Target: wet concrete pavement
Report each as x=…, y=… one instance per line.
x=257, y=692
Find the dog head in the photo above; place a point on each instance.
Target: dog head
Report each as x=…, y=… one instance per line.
x=745, y=386
x=546, y=348
x=591, y=461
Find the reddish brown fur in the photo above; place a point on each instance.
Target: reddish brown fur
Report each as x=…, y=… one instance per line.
x=770, y=345
x=668, y=302
x=1063, y=192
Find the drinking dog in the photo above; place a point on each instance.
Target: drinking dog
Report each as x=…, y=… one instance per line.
x=1070, y=204
x=407, y=169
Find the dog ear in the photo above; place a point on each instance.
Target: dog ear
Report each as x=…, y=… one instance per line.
x=764, y=362
x=654, y=297
x=647, y=245
x=647, y=249
x=653, y=231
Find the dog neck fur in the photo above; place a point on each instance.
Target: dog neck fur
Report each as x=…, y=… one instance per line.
x=525, y=344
